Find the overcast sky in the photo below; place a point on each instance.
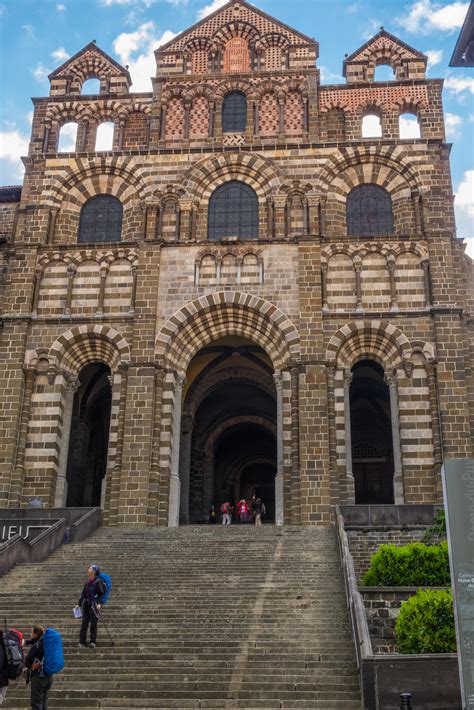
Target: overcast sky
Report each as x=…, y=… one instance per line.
x=39, y=35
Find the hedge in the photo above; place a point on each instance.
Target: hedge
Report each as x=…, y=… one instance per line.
x=412, y=565
x=426, y=623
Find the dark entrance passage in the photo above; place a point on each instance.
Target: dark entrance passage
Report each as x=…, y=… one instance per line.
x=89, y=440
x=230, y=431
x=371, y=429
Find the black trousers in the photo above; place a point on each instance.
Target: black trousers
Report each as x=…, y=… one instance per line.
x=88, y=617
x=40, y=686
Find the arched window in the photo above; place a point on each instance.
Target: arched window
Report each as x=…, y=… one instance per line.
x=101, y=220
x=91, y=86
x=233, y=212
x=105, y=136
x=408, y=126
x=384, y=72
x=67, y=137
x=369, y=212
x=234, y=112
x=371, y=126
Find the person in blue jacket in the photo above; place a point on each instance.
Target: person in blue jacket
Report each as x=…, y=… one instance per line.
x=40, y=681
x=90, y=602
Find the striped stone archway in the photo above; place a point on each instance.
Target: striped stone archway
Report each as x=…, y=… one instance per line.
x=194, y=326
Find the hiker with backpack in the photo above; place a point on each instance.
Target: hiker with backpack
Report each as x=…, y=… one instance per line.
x=42, y=662
x=95, y=592
x=258, y=509
x=11, y=658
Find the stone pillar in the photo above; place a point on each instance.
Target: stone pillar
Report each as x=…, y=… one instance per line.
x=313, y=215
x=36, y=292
x=134, y=288
x=347, y=428
x=305, y=114
x=322, y=216
x=85, y=129
x=116, y=473
x=120, y=135
x=391, y=380
x=279, y=497
x=47, y=131
x=212, y=113
x=163, y=121
x=154, y=477
x=426, y=279
x=281, y=116
x=103, y=277
x=333, y=479
x=16, y=482
x=270, y=218
x=218, y=119
x=436, y=430
x=358, y=269
x=53, y=213
x=295, y=446
x=256, y=118
x=186, y=207
x=60, y=496
x=185, y=465
x=175, y=484
x=279, y=204
x=415, y=196
x=187, y=112
x=393, y=287
x=71, y=272
x=324, y=288
x=249, y=128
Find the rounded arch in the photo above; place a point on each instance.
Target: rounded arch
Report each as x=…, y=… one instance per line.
x=77, y=186
x=368, y=339
x=260, y=173
x=237, y=28
x=88, y=343
x=389, y=168
x=215, y=315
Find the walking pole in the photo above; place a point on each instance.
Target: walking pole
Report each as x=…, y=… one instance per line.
x=99, y=616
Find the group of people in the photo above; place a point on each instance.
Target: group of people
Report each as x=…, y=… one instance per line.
x=247, y=512
x=15, y=662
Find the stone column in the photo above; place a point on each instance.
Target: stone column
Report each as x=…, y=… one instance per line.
x=85, y=130
x=120, y=135
x=270, y=218
x=256, y=118
x=426, y=279
x=295, y=446
x=163, y=121
x=393, y=286
x=281, y=116
x=154, y=476
x=436, y=430
x=16, y=482
x=47, y=131
x=305, y=114
x=186, y=207
x=175, y=484
x=36, y=292
x=116, y=473
x=324, y=287
x=313, y=215
x=71, y=272
x=212, y=111
x=347, y=428
x=279, y=497
x=279, y=204
x=415, y=196
x=358, y=269
x=332, y=444
x=134, y=288
x=187, y=112
x=103, y=277
x=185, y=464
x=53, y=213
x=60, y=496
x=391, y=380
x=322, y=216
x=218, y=119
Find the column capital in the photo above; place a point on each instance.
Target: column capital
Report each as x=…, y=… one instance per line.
x=347, y=378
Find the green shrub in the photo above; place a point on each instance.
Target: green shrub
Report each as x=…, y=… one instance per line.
x=426, y=623
x=438, y=530
x=412, y=565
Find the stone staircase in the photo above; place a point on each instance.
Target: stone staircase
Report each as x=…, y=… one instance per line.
x=203, y=617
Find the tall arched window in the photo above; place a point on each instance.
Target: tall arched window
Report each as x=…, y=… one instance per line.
x=369, y=212
x=234, y=112
x=101, y=220
x=233, y=212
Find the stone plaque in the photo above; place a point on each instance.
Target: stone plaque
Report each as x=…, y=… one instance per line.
x=458, y=485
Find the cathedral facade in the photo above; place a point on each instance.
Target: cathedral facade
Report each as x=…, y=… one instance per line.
x=256, y=287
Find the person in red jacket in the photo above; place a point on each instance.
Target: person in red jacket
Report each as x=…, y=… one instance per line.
x=243, y=508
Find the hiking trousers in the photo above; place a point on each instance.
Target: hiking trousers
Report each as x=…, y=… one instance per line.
x=40, y=686
x=88, y=617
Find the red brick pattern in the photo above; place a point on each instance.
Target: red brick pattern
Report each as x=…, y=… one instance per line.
x=236, y=56
x=269, y=115
x=294, y=114
x=175, y=120
x=199, y=118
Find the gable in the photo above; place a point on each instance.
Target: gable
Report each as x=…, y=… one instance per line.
x=237, y=17
x=89, y=59
x=384, y=42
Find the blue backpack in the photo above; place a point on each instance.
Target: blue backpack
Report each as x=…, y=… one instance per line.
x=108, y=585
x=53, y=652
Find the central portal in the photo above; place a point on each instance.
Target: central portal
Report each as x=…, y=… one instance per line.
x=228, y=435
